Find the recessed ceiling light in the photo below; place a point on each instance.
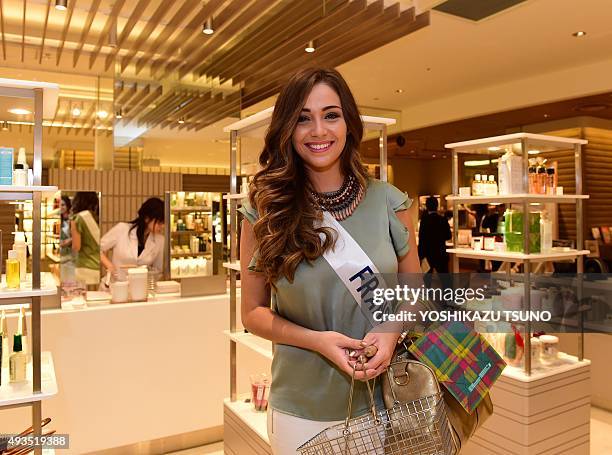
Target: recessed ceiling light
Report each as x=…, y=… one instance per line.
x=19, y=111
x=434, y=155
x=76, y=112
x=399, y=90
x=208, y=28
x=546, y=115
x=310, y=47
x=61, y=5
x=118, y=115
x=578, y=34
x=102, y=114
x=5, y=126
x=181, y=121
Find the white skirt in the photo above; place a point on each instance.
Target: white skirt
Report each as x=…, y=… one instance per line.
x=287, y=432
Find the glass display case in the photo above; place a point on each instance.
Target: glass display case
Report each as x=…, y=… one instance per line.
x=194, y=231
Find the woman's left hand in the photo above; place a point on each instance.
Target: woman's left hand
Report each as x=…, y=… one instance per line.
x=385, y=342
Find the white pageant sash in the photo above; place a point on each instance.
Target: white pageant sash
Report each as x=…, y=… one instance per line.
x=353, y=266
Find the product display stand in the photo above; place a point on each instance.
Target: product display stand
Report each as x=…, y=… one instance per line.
x=544, y=410
x=41, y=381
x=245, y=428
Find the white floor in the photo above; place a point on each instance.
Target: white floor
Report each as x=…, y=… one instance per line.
x=601, y=437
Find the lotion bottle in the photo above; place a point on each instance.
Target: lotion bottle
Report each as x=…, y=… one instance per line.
x=21, y=248
x=12, y=270
x=17, y=361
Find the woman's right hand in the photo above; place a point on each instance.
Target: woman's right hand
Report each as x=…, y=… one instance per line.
x=337, y=348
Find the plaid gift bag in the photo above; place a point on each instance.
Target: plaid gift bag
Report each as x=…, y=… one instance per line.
x=464, y=362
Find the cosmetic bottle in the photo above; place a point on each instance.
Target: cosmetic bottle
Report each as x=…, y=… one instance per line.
x=493, y=186
x=532, y=179
x=20, y=175
x=17, y=361
x=12, y=270
x=23, y=331
x=550, y=181
x=22, y=251
x=476, y=186
x=541, y=180
x=5, y=343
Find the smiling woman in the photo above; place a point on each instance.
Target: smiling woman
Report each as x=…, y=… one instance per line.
x=311, y=174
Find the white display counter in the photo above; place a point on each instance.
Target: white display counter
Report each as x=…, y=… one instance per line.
x=134, y=372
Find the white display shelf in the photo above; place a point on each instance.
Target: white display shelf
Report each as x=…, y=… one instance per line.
x=20, y=393
x=255, y=420
x=253, y=342
x=232, y=265
x=544, y=198
x=565, y=363
x=532, y=139
x=235, y=196
x=27, y=189
x=47, y=283
x=516, y=257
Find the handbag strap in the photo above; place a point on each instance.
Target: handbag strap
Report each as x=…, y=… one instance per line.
x=370, y=398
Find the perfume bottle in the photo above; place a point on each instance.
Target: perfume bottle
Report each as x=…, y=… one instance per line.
x=12, y=270
x=22, y=325
x=477, y=186
x=492, y=186
x=22, y=253
x=550, y=181
x=17, y=361
x=541, y=180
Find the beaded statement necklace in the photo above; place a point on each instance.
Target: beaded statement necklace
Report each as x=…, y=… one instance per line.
x=342, y=202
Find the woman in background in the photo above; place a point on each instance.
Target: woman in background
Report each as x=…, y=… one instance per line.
x=139, y=242
x=85, y=234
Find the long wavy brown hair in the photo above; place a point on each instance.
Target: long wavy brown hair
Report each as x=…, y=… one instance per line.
x=281, y=191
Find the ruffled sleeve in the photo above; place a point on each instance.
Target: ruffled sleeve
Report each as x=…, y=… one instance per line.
x=250, y=213
x=396, y=201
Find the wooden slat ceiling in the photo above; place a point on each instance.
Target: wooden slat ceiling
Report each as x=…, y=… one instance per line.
x=256, y=44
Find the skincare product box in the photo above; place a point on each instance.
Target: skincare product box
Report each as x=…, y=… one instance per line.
x=6, y=165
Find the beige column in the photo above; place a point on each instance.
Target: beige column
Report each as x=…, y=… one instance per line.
x=103, y=150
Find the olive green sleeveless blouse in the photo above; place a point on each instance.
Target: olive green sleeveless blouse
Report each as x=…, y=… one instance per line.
x=304, y=383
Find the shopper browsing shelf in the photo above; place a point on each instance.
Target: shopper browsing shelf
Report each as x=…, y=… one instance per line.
x=313, y=184
x=139, y=242
x=85, y=235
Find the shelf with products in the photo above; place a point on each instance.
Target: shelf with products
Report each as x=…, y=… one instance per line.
x=515, y=256
x=21, y=392
x=244, y=426
x=199, y=209
x=185, y=255
x=526, y=239
x=48, y=286
x=520, y=197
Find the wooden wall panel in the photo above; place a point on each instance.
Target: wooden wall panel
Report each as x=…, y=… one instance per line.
x=566, y=177
x=598, y=178
x=122, y=190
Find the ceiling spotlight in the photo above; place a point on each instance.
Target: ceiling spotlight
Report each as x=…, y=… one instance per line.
x=399, y=90
x=433, y=156
x=5, y=126
x=19, y=111
x=310, y=47
x=578, y=34
x=208, y=29
x=102, y=114
x=118, y=114
x=61, y=5
x=76, y=112
x=546, y=115
x=181, y=121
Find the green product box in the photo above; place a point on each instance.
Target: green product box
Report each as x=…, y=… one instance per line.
x=513, y=231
